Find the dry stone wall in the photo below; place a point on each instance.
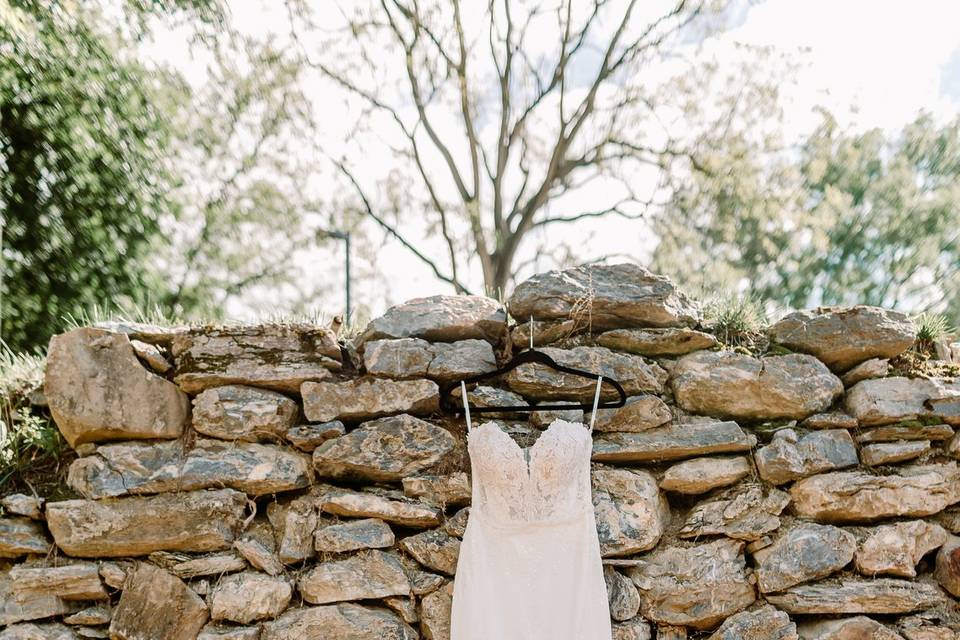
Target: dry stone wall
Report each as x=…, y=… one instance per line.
x=278, y=482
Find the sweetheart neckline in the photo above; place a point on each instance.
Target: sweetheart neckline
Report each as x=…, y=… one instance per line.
x=527, y=460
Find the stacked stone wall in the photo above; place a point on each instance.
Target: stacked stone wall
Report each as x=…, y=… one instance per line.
x=278, y=481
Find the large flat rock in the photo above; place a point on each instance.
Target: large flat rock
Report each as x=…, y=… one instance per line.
x=400, y=511
x=344, y=620
x=140, y=468
x=879, y=595
x=673, y=442
x=657, y=342
x=435, y=549
x=352, y=535
x=734, y=385
x=440, y=319
x=539, y=382
x=895, y=549
x=881, y=401
x=236, y=412
x=366, y=398
x=744, y=512
x=843, y=337
x=416, y=358
x=696, y=587
x=149, y=596
x=75, y=581
x=854, y=628
x=388, y=449
x=612, y=296
x=272, y=356
x=631, y=513
x=858, y=496
x=22, y=607
x=640, y=413
x=193, y=521
x=806, y=552
x=364, y=575
x=97, y=390
x=790, y=456
x=700, y=475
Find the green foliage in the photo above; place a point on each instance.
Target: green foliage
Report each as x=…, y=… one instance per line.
x=735, y=319
x=846, y=218
x=81, y=177
x=28, y=438
x=931, y=327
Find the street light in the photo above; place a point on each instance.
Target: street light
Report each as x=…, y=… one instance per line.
x=345, y=236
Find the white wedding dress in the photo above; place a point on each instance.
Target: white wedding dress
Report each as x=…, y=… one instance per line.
x=529, y=565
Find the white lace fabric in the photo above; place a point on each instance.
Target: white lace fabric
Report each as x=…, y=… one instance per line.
x=529, y=565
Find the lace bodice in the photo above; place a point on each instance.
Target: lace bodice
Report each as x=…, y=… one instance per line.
x=552, y=487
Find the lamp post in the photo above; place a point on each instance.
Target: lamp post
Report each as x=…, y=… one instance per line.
x=345, y=236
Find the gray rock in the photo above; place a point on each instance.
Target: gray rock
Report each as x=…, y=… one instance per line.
x=352, y=535
x=855, y=628
x=440, y=319
x=43, y=631
x=388, y=449
x=398, y=359
x=461, y=359
x=844, y=337
x=97, y=390
x=249, y=596
x=405, y=607
x=217, y=564
x=19, y=504
x=214, y=631
x=259, y=554
x=95, y=615
x=704, y=474
x=191, y=521
x=636, y=629
x=729, y=384
x=435, y=613
x=673, y=442
x=545, y=331
x=892, y=433
x=236, y=412
x=764, y=623
x=343, y=620
x=857, y=496
x=22, y=607
x=456, y=525
x=20, y=536
x=451, y=490
x=402, y=512
x=896, y=549
x=366, y=574
x=77, y=581
x=696, y=587
x=134, y=468
x=947, y=571
x=807, y=552
x=308, y=437
x=883, y=453
x=622, y=595
x=830, y=420
x=670, y=632
x=790, y=457
x=433, y=549
x=630, y=512
x=538, y=382
x=657, y=342
x=883, y=401
x=640, y=413
x=744, y=512
x=880, y=595
x=148, y=596
x=483, y=396
x=151, y=356
x=366, y=398
x=872, y=368
x=294, y=521
x=271, y=356
x=614, y=296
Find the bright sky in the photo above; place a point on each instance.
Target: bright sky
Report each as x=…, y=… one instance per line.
x=870, y=63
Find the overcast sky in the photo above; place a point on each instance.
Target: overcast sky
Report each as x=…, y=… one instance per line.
x=872, y=64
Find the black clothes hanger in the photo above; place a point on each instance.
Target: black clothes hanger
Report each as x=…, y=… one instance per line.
x=527, y=357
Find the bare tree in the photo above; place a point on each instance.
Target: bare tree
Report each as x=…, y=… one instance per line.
x=504, y=113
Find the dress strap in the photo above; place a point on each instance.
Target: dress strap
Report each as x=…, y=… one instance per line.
x=596, y=403
x=466, y=404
